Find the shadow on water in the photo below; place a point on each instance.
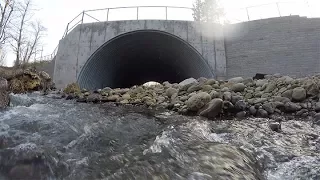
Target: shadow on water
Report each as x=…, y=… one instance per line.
x=45, y=138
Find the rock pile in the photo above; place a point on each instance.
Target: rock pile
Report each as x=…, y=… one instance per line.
x=239, y=97
x=21, y=81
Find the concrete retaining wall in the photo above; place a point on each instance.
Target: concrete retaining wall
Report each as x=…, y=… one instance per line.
x=288, y=45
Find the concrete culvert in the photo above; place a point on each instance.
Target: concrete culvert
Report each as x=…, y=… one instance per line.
x=142, y=56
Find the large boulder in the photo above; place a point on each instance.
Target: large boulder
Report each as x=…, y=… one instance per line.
x=197, y=101
x=194, y=87
x=236, y=80
x=270, y=87
x=287, y=94
x=212, y=109
x=171, y=91
x=238, y=87
x=299, y=94
x=292, y=107
x=187, y=83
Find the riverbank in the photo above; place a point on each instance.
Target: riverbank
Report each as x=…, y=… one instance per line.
x=46, y=138
x=238, y=97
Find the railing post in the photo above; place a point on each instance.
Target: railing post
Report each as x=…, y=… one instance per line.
x=137, y=13
x=166, y=12
x=248, y=14
x=108, y=14
x=82, y=17
x=278, y=9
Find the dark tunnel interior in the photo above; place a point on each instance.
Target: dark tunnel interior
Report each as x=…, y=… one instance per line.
x=141, y=56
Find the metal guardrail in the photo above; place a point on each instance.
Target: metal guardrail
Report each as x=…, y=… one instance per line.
x=79, y=19
x=70, y=25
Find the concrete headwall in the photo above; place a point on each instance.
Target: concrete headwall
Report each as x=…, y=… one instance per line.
x=76, y=48
x=287, y=45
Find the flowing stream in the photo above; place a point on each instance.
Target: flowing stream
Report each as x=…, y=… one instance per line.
x=47, y=138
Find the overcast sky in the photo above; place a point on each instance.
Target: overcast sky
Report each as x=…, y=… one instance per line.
x=55, y=14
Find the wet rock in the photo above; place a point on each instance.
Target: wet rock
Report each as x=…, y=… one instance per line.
x=113, y=98
x=262, y=113
x=94, y=97
x=312, y=88
x=227, y=96
x=239, y=87
x=187, y=83
x=240, y=105
x=299, y=94
x=270, y=87
x=195, y=87
x=167, y=84
x=235, y=99
x=275, y=126
x=268, y=107
x=214, y=94
x=301, y=112
x=253, y=110
x=287, y=94
x=241, y=115
x=278, y=105
x=266, y=95
x=216, y=86
x=125, y=101
x=196, y=102
x=212, y=109
x=202, y=80
x=236, y=80
x=247, y=81
x=210, y=82
x=206, y=88
x=261, y=82
x=171, y=91
x=126, y=96
x=317, y=107
x=281, y=99
x=248, y=96
x=316, y=119
x=161, y=99
x=120, y=91
x=70, y=97
x=225, y=89
x=291, y=107
x=184, y=98
x=260, y=100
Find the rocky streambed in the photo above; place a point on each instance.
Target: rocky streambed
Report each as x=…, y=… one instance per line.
x=197, y=129
x=42, y=137
x=270, y=97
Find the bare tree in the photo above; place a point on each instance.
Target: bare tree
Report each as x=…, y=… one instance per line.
x=197, y=10
x=6, y=11
x=207, y=11
x=31, y=47
x=3, y=55
x=25, y=34
x=18, y=39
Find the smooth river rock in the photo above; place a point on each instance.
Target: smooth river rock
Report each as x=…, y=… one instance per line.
x=197, y=101
x=212, y=109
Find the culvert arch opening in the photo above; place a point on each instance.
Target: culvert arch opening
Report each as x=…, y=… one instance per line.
x=141, y=56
